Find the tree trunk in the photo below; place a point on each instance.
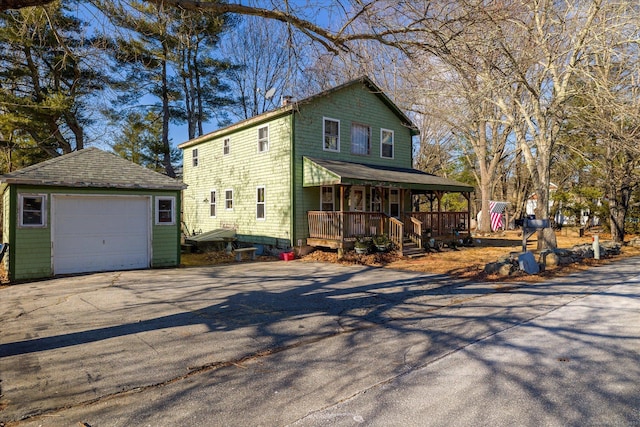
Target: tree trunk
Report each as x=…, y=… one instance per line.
x=166, y=147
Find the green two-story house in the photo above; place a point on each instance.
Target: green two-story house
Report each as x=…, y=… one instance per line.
x=318, y=171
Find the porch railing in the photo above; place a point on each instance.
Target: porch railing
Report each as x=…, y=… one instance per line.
x=340, y=225
x=441, y=223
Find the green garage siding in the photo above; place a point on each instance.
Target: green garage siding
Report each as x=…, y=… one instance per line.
x=30, y=248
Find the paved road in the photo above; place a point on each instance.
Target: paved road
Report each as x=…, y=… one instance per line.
x=314, y=344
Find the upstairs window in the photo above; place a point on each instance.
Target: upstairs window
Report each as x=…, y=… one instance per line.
x=228, y=200
x=165, y=210
x=360, y=139
x=263, y=139
x=260, y=203
x=32, y=210
x=212, y=204
x=386, y=143
x=331, y=132
x=226, y=146
x=194, y=157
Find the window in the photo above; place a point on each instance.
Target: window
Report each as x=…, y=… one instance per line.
x=263, y=139
x=226, y=146
x=260, y=205
x=165, y=210
x=194, y=156
x=212, y=204
x=326, y=199
x=331, y=132
x=360, y=139
x=376, y=200
x=386, y=143
x=228, y=200
x=33, y=210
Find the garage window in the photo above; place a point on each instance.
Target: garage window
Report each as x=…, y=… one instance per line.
x=33, y=210
x=165, y=210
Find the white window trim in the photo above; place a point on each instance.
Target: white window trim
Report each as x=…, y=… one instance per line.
x=268, y=139
x=43, y=215
x=173, y=210
x=213, y=203
x=264, y=203
x=225, y=199
x=226, y=146
x=195, y=159
x=324, y=148
x=393, y=143
x=333, y=198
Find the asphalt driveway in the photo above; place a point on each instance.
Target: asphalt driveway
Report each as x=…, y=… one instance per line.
x=271, y=343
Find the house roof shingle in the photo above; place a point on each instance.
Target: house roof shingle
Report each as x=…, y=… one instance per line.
x=92, y=167
x=293, y=107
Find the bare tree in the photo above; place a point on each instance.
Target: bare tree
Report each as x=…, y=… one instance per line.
x=606, y=110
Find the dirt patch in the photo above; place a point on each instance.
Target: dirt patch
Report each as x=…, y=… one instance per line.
x=462, y=262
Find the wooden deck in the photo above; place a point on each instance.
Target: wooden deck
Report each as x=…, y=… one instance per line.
x=340, y=229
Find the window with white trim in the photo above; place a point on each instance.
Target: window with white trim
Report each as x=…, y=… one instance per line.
x=386, y=143
x=226, y=146
x=263, y=139
x=165, y=210
x=228, y=200
x=212, y=204
x=326, y=199
x=194, y=157
x=33, y=210
x=360, y=139
x=331, y=132
x=260, y=203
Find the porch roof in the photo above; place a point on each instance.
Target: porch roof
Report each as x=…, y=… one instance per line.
x=319, y=172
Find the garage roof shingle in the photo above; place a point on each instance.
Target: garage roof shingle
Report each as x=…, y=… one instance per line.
x=92, y=167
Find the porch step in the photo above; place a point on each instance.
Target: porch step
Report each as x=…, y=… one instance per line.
x=411, y=250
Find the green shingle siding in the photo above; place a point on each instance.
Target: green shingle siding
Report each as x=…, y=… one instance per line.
x=243, y=170
x=355, y=104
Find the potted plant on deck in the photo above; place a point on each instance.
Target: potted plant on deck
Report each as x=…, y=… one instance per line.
x=361, y=245
x=382, y=242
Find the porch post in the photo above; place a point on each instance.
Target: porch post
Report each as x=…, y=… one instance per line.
x=468, y=197
x=440, y=223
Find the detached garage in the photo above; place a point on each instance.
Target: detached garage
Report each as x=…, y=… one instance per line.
x=89, y=211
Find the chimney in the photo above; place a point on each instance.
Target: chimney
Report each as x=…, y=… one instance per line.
x=286, y=100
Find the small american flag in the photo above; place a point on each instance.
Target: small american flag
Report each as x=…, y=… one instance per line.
x=496, y=209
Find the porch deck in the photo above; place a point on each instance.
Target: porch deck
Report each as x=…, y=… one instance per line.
x=338, y=230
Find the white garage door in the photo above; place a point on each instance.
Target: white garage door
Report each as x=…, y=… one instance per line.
x=100, y=233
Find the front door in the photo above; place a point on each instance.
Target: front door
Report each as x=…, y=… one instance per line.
x=357, y=199
x=357, y=204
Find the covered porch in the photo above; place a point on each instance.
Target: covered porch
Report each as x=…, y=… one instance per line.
x=359, y=200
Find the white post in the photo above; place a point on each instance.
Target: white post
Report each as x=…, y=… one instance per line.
x=596, y=246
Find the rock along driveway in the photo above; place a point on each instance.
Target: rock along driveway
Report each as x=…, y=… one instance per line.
x=292, y=342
